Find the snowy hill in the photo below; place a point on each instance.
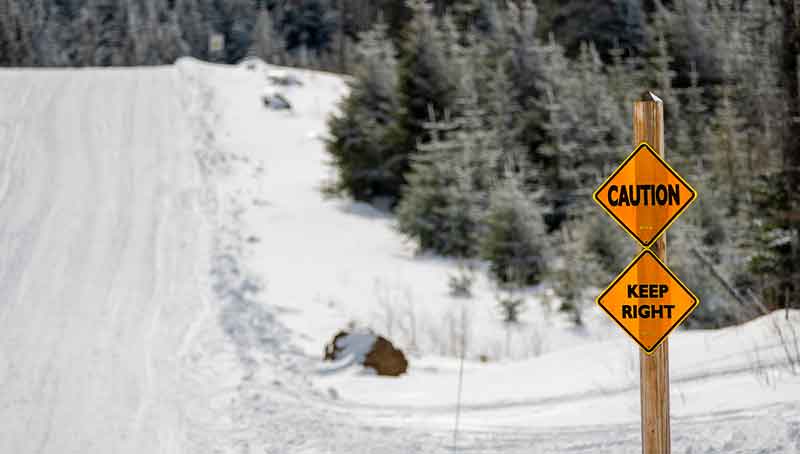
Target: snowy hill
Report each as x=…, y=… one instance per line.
x=101, y=273
x=170, y=272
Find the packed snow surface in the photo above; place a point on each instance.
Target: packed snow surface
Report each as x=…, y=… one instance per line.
x=170, y=272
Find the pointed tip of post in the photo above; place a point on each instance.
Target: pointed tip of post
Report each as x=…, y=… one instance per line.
x=650, y=96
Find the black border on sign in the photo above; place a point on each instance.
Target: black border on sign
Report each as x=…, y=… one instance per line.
x=674, y=217
x=673, y=276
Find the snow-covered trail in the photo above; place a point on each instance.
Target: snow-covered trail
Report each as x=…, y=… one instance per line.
x=103, y=258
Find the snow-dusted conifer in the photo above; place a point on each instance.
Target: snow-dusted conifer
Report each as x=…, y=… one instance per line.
x=728, y=138
x=268, y=44
x=171, y=43
x=624, y=87
x=602, y=125
x=437, y=209
x=113, y=46
x=513, y=238
x=504, y=115
x=425, y=78
x=695, y=127
x=526, y=69
x=364, y=155
x=450, y=179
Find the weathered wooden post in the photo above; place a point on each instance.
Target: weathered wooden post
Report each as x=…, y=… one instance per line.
x=648, y=126
x=644, y=195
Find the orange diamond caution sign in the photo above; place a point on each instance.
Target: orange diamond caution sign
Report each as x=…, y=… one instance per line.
x=647, y=300
x=644, y=195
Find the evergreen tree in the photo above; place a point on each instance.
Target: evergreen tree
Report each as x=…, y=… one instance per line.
x=450, y=178
x=17, y=28
x=556, y=157
x=526, y=64
x=361, y=144
x=439, y=205
x=238, y=18
x=624, y=86
x=692, y=158
x=425, y=81
x=113, y=46
x=169, y=39
x=777, y=260
x=660, y=65
x=728, y=127
x=606, y=245
x=268, y=44
x=194, y=21
x=571, y=271
x=513, y=235
x=605, y=23
x=602, y=125
x=503, y=114
x=527, y=72
x=687, y=26
x=58, y=37
x=309, y=25
x=583, y=128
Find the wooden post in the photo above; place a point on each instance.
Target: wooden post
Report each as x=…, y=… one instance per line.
x=648, y=126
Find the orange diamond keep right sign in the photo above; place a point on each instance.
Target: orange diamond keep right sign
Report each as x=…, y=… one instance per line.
x=647, y=301
x=644, y=195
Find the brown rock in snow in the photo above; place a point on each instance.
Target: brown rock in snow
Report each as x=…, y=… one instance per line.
x=367, y=349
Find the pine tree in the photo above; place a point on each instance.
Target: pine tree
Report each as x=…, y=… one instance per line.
x=195, y=25
x=144, y=28
x=758, y=80
x=487, y=18
x=605, y=244
x=154, y=33
x=777, y=259
x=309, y=25
x=624, y=85
x=171, y=43
x=58, y=38
x=361, y=141
x=450, y=179
x=602, y=125
x=238, y=25
x=113, y=46
x=571, y=272
x=661, y=80
x=583, y=129
x=503, y=114
x=513, y=235
x=438, y=206
x=6, y=33
x=524, y=45
x=88, y=41
x=526, y=70
x=18, y=22
x=729, y=134
x=695, y=127
x=424, y=81
x=268, y=44
x=555, y=157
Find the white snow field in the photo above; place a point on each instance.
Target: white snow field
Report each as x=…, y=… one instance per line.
x=170, y=272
